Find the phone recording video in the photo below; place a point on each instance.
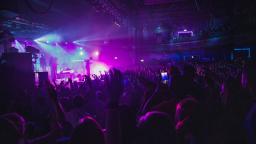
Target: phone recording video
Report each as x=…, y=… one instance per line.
x=164, y=76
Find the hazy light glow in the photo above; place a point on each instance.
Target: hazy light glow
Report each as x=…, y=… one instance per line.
x=81, y=53
x=98, y=68
x=19, y=46
x=115, y=58
x=96, y=53
x=142, y=60
x=56, y=51
x=49, y=38
x=79, y=42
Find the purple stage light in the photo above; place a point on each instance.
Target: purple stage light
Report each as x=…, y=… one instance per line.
x=115, y=58
x=96, y=53
x=66, y=43
x=185, y=30
x=105, y=42
x=142, y=60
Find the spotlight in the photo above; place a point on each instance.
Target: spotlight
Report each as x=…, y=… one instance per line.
x=49, y=38
x=142, y=60
x=81, y=53
x=81, y=48
x=185, y=30
x=115, y=58
x=96, y=53
x=97, y=68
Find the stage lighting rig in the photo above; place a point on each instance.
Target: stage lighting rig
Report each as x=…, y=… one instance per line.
x=109, y=8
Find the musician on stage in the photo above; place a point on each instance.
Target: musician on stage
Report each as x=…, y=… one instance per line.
x=88, y=66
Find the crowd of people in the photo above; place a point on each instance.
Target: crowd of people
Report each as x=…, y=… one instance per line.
x=201, y=103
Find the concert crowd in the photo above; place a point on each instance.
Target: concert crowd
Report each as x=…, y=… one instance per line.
x=199, y=103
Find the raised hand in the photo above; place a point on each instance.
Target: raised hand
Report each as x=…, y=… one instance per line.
x=51, y=91
x=114, y=84
x=59, y=113
x=87, y=80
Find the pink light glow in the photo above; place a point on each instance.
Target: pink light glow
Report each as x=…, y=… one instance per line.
x=98, y=68
x=96, y=53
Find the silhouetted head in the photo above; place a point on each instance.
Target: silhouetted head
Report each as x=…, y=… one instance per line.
x=248, y=78
x=186, y=115
x=88, y=132
x=18, y=121
x=155, y=128
x=189, y=71
x=230, y=91
x=9, y=133
x=174, y=71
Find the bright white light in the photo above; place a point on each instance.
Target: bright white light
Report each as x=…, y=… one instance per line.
x=81, y=48
x=81, y=53
x=185, y=30
x=49, y=38
x=115, y=58
x=98, y=68
x=142, y=60
x=96, y=53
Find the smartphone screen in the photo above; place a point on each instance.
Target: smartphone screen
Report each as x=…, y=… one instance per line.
x=164, y=76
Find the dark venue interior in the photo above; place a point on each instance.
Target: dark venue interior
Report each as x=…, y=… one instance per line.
x=127, y=72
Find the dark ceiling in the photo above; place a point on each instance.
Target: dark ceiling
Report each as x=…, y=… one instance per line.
x=27, y=17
